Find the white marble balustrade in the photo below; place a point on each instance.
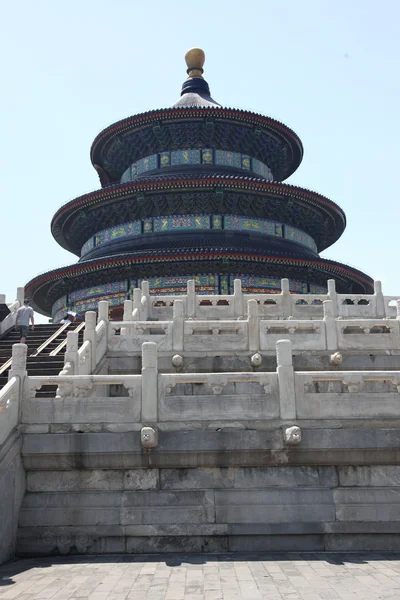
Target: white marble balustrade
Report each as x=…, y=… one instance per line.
x=272, y=306
x=154, y=397
x=347, y=395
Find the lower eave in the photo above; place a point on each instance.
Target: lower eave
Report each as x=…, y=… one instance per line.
x=68, y=277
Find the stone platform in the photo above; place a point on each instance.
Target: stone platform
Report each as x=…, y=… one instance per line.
x=230, y=431
x=200, y=577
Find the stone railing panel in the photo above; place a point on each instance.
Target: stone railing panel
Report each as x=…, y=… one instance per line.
x=225, y=396
x=129, y=336
x=361, y=306
x=9, y=408
x=347, y=395
x=365, y=334
x=215, y=335
x=302, y=334
x=269, y=306
x=215, y=307
x=390, y=303
x=77, y=399
x=161, y=307
x=307, y=306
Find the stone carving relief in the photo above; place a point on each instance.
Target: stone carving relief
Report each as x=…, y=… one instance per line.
x=335, y=359
x=256, y=360
x=65, y=542
x=131, y=386
x=217, y=383
x=64, y=389
x=292, y=435
x=265, y=382
x=148, y=437
x=177, y=361
x=76, y=388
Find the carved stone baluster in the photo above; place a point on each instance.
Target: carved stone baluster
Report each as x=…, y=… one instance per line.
x=287, y=400
x=149, y=382
x=191, y=298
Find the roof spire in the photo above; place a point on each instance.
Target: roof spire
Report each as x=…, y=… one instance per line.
x=195, y=90
x=195, y=58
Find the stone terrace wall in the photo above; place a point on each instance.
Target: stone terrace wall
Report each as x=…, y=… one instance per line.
x=159, y=456
x=212, y=462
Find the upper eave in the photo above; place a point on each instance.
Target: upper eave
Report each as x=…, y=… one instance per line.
x=182, y=113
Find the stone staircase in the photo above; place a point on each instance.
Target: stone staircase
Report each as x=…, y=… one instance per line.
x=40, y=361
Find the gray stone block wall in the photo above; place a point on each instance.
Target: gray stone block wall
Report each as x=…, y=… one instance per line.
x=210, y=509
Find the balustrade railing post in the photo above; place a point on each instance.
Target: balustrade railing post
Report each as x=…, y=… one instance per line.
x=2, y=299
x=90, y=335
x=398, y=309
x=379, y=301
x=191, y=298
x=332, y=296
x=237, y=298
x=18, y=369
x=102, y=311
x=287, y=397
x=330, y=326
x=137, y=297
x=177, y=325
x=145, y=302
x=20, y=295
x=128, y=310
x=286, y=299
x=71, y=353
x=149, y=383
x=18, y=361
x=253, y=325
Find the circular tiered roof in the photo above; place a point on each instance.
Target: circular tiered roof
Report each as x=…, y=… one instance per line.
x=195, y=161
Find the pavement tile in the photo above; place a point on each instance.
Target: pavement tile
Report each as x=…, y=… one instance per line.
x=205, y=577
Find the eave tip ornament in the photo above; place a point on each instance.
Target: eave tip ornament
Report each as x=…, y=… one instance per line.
x=195, y=58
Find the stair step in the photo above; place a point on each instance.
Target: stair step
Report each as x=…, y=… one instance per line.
x=43, y=364
x=40, y=372
x=45, y=361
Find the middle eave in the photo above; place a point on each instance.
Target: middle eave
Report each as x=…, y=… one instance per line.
x=74, y=215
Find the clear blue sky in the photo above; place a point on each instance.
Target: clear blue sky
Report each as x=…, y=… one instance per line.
x=327, y=69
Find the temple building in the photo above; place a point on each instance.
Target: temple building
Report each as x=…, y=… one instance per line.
x=193, y=191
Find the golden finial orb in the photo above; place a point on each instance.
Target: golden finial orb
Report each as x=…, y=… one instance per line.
x=195, y=58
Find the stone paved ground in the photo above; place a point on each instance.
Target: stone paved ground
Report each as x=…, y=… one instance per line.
x=205, y=577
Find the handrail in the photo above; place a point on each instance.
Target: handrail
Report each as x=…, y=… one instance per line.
x=51, y=338
x=95, y=379
x=5, y=366
x=64, y=342
x=13, y=306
